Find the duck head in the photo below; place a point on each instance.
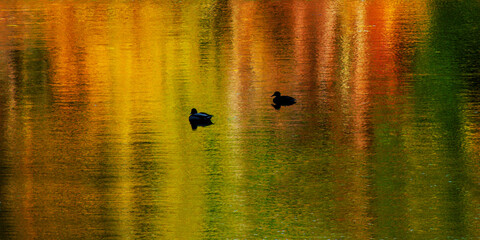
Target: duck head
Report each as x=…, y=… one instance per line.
x=276, y=94
x=193, y=111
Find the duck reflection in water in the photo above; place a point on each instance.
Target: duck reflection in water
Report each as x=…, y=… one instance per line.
x=280, y=100
x=199, y=119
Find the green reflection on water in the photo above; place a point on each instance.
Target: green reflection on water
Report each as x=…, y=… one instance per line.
x=439, y=103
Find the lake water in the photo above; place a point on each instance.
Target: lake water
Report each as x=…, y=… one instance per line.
x=383, y=142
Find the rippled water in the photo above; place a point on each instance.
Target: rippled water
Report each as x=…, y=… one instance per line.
x=383, y=142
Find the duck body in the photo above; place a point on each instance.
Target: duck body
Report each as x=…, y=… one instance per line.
x=199, y=116
x=280, y=100
x=199, y=119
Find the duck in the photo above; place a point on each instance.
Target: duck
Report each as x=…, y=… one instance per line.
x=280, y=100
x=199, y=119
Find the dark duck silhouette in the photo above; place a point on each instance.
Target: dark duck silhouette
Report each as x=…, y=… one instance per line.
x=199, y=119
x=280, y=100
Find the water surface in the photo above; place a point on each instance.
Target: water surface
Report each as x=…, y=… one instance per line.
x=383, y=142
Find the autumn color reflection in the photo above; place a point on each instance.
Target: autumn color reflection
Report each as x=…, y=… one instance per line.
x=95, y=99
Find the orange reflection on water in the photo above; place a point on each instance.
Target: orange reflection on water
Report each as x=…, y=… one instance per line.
x=353, y=118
